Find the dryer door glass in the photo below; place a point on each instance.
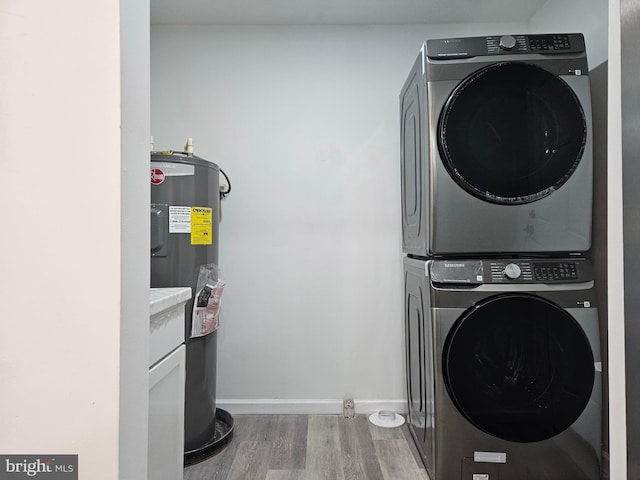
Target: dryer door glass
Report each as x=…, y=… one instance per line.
x=512, y=133
x=518, y=367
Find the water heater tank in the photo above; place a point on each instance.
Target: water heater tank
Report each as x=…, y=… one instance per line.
x=185, y=213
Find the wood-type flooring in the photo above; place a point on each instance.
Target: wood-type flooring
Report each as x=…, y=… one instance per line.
x=312, y=447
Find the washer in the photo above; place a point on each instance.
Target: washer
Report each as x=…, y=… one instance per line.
x=496, y=147
x=503, y=368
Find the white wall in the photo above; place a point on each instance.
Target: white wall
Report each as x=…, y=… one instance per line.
x=305, y=122
x=60, y=243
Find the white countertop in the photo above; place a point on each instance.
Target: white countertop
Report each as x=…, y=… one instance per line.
x=162, y=299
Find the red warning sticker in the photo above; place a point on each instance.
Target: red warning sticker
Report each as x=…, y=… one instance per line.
x=157, y=176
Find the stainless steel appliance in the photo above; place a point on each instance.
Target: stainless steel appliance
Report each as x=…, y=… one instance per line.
x=503, y=367
x=496, y=147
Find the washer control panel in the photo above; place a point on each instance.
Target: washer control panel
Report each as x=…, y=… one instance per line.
x=510, y=271
x=450, y=48
x=505, y=271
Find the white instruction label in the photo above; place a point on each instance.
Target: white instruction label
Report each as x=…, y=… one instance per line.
x=179, y=219
x=171, y=169
x=480, y=476
x=490, y=457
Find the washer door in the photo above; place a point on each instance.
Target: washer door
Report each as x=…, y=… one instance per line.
x=518, y=367
x=512, y=133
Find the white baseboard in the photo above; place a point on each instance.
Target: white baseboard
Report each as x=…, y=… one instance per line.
x=309, y=407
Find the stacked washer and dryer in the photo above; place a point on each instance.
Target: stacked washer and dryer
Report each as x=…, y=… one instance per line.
x=502, y=336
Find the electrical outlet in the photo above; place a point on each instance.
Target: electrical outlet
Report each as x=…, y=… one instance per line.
x=348, y=407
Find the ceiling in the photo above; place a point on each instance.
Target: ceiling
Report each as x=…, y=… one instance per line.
x=340, y=12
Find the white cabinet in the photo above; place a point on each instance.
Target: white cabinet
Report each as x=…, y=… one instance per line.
x=166, y=417
x=167, y=361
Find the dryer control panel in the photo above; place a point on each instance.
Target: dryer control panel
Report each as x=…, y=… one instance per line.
x=501, y=271
x=556, y=43
x=555, y=271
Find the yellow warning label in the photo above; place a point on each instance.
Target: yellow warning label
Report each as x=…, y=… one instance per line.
x=201, y=226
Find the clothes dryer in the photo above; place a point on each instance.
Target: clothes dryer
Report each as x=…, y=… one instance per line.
x=503, y=368
x=496, y=150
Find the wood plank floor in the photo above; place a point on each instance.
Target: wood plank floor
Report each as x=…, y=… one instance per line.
x=312, y=447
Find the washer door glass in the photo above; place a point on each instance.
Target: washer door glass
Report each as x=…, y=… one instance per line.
x=512, y=133
x=518, y=367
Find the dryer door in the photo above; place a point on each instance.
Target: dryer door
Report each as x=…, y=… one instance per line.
x=512, y=133
x=518, y=367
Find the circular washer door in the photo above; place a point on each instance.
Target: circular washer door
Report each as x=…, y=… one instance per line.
x=518, y=367
x=512, y=133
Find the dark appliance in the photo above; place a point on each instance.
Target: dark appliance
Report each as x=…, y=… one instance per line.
x=185, y=213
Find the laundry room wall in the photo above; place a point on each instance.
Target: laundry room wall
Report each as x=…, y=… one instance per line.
x=305, y=121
